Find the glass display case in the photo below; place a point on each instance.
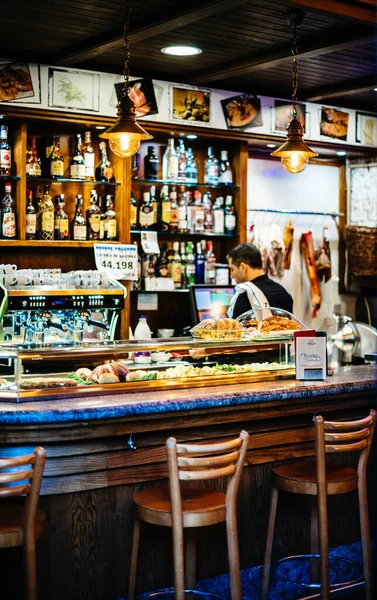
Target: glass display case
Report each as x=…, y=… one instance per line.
x=45, y=371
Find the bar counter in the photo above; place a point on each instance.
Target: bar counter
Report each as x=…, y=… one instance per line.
x=91, y=474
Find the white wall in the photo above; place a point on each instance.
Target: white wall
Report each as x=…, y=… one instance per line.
x=315, y=189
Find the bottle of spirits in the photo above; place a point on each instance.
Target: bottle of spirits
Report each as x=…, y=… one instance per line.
x=93, y=217
x=133, y=211
x=78, y=223
x=162, y=263
x=111, y=225
x=184, y=279
x=174, y=217
x=170, y=162
x=190, y=213
x=135, y=168
x=165, y=208
x=211, y=169
x=190, y=264
x=208, y=213
x=136, y=284
x=230, y=223
x=199, y=212
x=45, y=218
x=8, y=215
x=146, y=214
x=209, y=268
x=77, y=166
x=104, y=171
x=56, y=160
x=34, y=168
x=191, y=167
x=182, y=211
x=151, y=164
x=31, y=218
x=61, y=223
x=226, y=175
x=29, y=158
x=199, y=264
x=218, y=216
x=102, y=218
x=182, y=161
x=154, y=203
x=176, y=268
x=89, y=157
x=5, y=151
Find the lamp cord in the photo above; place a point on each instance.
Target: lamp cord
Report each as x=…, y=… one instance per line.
x=126, y=31
x=294, y=73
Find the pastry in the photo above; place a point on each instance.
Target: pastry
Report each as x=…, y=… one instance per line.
x=218, y=328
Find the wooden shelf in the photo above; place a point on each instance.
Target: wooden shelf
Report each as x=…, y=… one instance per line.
x=186, y=235
x=66, y=180
x=54, y=243
x=9, y=177
x=185, y=184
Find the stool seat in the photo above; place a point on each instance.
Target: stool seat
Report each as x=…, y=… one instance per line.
x=200, y=506
x=299, y=477
x=12, y=525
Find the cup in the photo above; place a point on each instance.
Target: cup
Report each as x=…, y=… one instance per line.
x=165, y=333
x=37, y=281
x=7, y=279
x=8, y=268
x=22, y=280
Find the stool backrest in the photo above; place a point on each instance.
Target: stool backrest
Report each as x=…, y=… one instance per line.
x=30, y=480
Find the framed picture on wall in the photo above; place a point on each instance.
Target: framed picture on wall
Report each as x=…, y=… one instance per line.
x=143, y=96
x=190, y=104
x=366, y=129
x=17, y=82
x=242, y=111
x=283, y=115
x=73, y=90
x=334, y=123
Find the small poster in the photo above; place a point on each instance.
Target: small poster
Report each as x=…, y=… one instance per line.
x=119, y=261
x=283, y=115
x=15, y=82
x=366, y=129
x=334, y=123
x=142, y=94
x=149, y=242
x=190, y=104
x=242, y=111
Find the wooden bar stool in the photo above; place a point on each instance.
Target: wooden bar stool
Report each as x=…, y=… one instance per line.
x=318, y=479
x=182, y=507
x=21, y=525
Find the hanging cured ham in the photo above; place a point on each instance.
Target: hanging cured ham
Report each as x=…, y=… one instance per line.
x=323, y=258
x=308, y=254
x=288, y=244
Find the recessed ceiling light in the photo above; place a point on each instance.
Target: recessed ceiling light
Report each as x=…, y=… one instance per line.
x=375, y=89
x=100, y=127
x=271, y=145
x=181, y=50
x=341, y=153
x=191, y=136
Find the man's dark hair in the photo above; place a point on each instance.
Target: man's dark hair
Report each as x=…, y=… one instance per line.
x=246, y=253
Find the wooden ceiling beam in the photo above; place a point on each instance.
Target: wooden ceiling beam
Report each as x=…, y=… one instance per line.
x=347, y=88
x=308, y=48
x=163, y=23
x=359, y=10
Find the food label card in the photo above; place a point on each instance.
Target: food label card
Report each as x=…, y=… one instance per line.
x=119, y=261
x=311, y=357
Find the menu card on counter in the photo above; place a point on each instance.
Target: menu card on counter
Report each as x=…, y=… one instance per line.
x=119, y=261
x=311, y=354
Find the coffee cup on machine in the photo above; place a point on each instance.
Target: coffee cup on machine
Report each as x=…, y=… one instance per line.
x=8, y=268
x=7, y=279
x=22, y=279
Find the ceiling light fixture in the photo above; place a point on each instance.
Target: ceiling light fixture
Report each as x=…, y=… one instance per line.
x=294, y=153
x=375, y=89
x=181, y=50
x=125, y=135
x=341, y=153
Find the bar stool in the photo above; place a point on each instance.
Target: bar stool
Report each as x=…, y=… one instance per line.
x=318, y=479
x=182, y=507
x=21, y=525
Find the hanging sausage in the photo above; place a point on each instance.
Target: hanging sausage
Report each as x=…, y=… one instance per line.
x=308, y=254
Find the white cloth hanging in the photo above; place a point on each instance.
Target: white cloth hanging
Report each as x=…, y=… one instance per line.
x=256, y=297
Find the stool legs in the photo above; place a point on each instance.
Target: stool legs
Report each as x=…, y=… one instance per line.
x=30, y=567
x=365, y=537
x=190, y=552
x=134, y=556
x=269, y=542
x=233, y=553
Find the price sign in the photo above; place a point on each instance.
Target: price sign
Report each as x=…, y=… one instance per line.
x=119, y=261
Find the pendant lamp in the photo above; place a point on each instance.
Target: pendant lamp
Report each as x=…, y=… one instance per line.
x=294, y=153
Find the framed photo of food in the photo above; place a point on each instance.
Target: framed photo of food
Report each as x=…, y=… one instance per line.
x=366, y=129
x=190, y=104
x=283, y=115
x=15, y=82
x=143, y=96
x=334, y=123
x=242, y=111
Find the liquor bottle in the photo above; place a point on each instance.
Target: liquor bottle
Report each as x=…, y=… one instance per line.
x=174, y=218
x=135, y=168
x=191, y=212
x=56, y=160
x=8, y=215
x=104, y=172
x=230, y=216
x=184, y=278
x=151, y=164
x=190, y=264
x=218, y=216
x=182, y=161
x=77, y=166
x=211, y=169
x=146, y=214
x=208, y=213
x=162, y=263
x=45, y=219
x=170, y=163
x=191, y=167
x=199, y=212
x=93, y=217
x=149, y=270
x=226, y=175
x=34, y=168
x=89, y=157
x=154, y=203
x=29, y=158
x=182, y=210
x=101, y=203
x=136, y=284
x=78, y=223
x=199, y=264
x=209, y=267
x=31, y=218
x=176, y=267
x=165, y=209
x=111, y=225
x=133, y=211
x=5, y=152
x=61, y=221
x=169, y=255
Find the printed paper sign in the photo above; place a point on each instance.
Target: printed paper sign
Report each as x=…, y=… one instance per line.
x=311, y=357
x=149, y=242
x=119, y=261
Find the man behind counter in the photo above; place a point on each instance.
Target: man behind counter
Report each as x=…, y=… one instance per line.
x=245, y=264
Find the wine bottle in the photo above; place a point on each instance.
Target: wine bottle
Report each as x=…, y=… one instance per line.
x=209, y=267
x=56, y=160
x=182, y=211
x=146, y=215
x=230, y=223
x=34, y=165
x=61, y=221
x=174, y=217
x=46, y=216
x=111, y=226
x=77, y=166
x=104, y=171
x=199, y=264
x=5, y=152
x=78, y=224
x=226, y=175
x=190, y=264
x=93, y=217
x=89, y=157
x=151, y=164
x=218, y=216
x=165, y=208
x=8, y=215
x=133, y=211
x=176, y=267
x=31, y=218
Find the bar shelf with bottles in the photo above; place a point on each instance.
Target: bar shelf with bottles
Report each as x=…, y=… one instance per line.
x=40, y=180
x=186, y=184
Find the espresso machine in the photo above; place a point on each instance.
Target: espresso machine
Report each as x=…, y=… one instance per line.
x=348, y=341
x=56, y=314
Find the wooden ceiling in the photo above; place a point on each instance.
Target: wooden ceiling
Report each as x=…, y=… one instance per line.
x=246, y=43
